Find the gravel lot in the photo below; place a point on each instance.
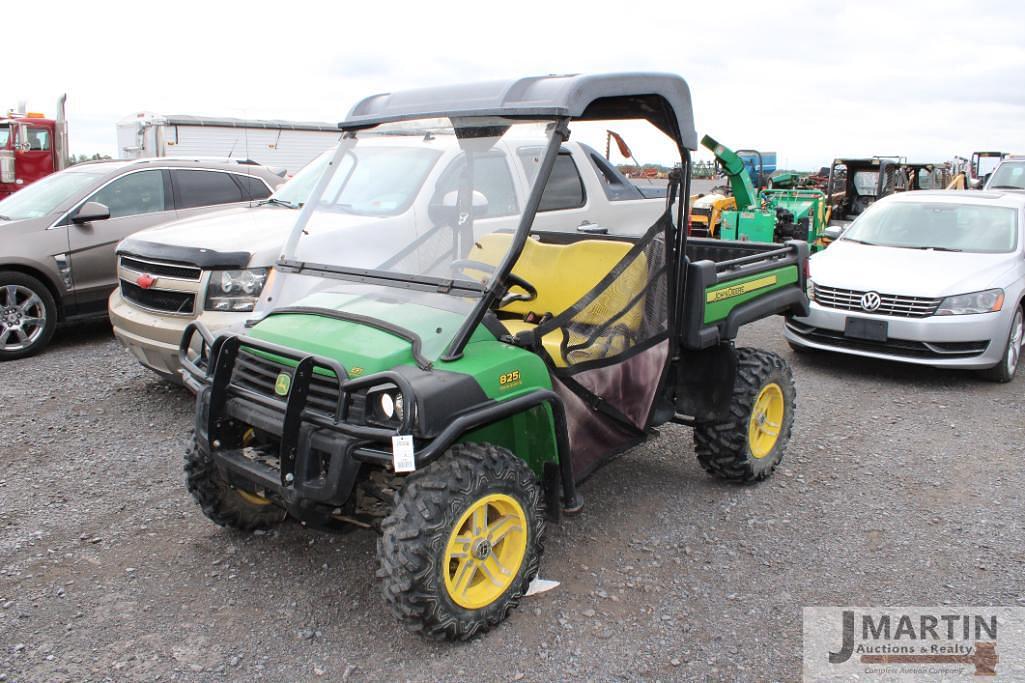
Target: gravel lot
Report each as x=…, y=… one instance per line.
x=901, y=486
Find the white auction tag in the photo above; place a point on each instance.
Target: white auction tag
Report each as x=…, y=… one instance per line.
x=402, y=453
x=540, y=586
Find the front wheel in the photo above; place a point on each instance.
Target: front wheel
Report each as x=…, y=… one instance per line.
x=28, y=315
x=222, y=503
x=1008, y=365
x=463, y=542
x=750, y=445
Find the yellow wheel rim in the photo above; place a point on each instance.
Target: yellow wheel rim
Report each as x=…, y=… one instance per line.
x=485, y=551
x=766, y=420
x=252, y=498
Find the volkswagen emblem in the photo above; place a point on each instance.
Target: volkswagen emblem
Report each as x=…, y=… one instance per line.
x=870, y=301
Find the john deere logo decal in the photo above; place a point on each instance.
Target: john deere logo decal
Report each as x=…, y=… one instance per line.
x=718, y=295
x=282, y=383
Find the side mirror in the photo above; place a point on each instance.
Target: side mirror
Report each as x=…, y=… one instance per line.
x=91, y=211
x=833, y=232
x=446, y=212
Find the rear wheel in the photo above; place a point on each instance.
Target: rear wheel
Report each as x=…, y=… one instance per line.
x=1008, y=365
x=28, y=315
x=222, y=503
x=463, y=542
x=750, y=445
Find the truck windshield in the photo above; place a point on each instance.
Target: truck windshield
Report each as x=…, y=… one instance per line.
x=297, y=190
x=1008, y=176
x=48, y=194
x=5, y=135
x=932, y=225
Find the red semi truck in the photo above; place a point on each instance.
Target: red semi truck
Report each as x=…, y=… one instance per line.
x=31, y=147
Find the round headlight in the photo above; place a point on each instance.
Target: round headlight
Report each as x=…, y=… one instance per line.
x=387, y=405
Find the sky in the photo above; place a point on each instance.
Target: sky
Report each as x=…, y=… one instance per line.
x=808, y=80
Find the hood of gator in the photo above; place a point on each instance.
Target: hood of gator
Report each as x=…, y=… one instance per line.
x=360, y=348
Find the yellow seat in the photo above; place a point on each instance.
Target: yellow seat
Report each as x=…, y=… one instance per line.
x=563, y=274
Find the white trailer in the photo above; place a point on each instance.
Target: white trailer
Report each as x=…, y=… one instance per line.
x=285, y=145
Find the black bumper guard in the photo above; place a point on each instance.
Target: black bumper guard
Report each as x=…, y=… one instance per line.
x=211, y=372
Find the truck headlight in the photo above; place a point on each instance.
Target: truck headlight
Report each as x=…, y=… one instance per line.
x=235, y=290
x=977, y=302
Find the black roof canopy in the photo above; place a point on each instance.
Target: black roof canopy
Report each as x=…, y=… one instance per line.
x=663, y=99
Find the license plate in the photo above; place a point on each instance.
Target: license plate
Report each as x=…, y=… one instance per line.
x=862, y=328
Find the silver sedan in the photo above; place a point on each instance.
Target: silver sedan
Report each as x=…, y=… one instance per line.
x=933, y=278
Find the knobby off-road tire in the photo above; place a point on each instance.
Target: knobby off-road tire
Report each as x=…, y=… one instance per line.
x=220, y=502
x=435, y=561
x=1005, y=370
x=764, y=384
x=28, y=315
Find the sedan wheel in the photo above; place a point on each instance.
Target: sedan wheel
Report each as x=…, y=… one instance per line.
x=27, y=315
x=1008, y=365
x=1014, y=343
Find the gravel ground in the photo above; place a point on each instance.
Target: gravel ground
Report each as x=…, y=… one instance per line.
x=901, y=486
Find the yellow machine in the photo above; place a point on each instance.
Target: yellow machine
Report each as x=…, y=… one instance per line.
x=706, y=212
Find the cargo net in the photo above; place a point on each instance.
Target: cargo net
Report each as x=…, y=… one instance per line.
x=626, y=311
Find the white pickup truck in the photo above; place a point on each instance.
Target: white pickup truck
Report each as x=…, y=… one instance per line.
x=218, y=268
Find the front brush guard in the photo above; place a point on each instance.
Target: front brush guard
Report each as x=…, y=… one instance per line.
x=212, y=368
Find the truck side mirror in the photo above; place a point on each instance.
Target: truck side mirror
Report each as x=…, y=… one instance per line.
x=91, y=211
x=444, y=213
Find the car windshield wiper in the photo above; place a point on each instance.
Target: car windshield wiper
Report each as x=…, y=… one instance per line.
x=851, y=239
x=937, y=248
x=278, y=202
x=1005, y=187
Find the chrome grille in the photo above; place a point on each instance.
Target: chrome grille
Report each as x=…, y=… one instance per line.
x=161, y=300
x=890, y=304
x=175, y=270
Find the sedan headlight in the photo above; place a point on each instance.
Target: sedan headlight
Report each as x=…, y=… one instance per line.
x=976, y=302
x=235, y=290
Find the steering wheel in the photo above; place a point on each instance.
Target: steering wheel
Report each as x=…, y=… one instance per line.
x=514, y=280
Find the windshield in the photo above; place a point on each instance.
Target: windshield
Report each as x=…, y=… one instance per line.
x=928, y=225
x=418, y=212
x=5, y=135
x=865, y=183
x=48, y=194
x=1008, y=176
x=405, y=200
x=298, y=188
x=985, y=163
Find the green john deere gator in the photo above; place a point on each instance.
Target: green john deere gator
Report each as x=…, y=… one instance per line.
x=447, y=376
